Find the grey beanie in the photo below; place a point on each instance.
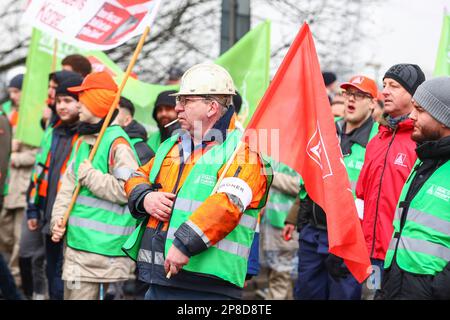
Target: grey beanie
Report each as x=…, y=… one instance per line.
x=434, y=96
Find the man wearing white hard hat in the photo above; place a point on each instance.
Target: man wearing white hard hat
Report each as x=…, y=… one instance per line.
x=194, y=243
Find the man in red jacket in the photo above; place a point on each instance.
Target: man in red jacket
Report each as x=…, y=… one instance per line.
x=389, y=159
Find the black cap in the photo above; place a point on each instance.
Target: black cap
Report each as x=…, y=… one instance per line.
x=60, y=76
x=328, y=77
x=72, y=81
x=16, y=82
x=410, y=76
x=164, y=99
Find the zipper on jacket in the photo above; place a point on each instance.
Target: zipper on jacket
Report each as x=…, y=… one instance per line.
x=379, y=193
x=174, y=190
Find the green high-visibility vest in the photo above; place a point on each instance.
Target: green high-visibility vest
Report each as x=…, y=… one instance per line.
x=279, y=203
x=97, y=225
x=154, y=140
x=7, y=106
x=423, y=245
x=355, y=160
x=227, y=259
x=39, y=173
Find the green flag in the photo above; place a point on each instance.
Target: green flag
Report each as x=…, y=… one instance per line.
x=442, y=67
x=248, y=63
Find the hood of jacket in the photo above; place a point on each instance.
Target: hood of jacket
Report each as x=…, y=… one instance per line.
x=136, y=130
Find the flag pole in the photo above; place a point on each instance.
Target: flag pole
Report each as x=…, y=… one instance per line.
x=109, y=115
x=55, y=55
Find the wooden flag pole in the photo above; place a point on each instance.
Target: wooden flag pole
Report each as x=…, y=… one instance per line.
x=109, y=115
x=55, y=55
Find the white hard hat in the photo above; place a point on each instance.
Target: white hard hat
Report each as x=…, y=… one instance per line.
x=206, y=79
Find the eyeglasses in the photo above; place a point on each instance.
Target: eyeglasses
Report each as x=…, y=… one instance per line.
x=182, y=100
x=358, y=95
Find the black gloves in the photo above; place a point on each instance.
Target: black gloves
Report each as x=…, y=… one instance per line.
x=336, y=267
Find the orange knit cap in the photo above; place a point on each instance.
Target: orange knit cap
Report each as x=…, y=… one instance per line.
x=97, y=93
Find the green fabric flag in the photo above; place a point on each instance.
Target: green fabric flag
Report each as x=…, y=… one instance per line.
x=248, y=62
x=442, y=67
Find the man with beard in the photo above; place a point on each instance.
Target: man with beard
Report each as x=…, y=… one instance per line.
x=51, y=163
x=163, y=113
x=99, y=224
x=417, y=261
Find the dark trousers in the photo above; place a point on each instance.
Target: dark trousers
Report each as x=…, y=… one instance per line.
x=7, y=285
x=314, y=282
x=157, y=292
x=54, y=256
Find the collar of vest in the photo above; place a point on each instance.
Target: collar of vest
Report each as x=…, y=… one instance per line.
x=359, y=135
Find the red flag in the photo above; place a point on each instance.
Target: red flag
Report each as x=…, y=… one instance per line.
x=296, y=106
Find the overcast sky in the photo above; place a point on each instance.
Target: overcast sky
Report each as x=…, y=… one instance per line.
x=409, y=31
x=406, y=31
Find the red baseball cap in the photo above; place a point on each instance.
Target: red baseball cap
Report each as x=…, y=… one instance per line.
x=96, y=80
x=363, y=84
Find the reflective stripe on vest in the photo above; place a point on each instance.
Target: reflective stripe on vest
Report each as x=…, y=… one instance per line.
x=146, y=256
x=100, y=226
x=224, y=245
x=102, y=204
x=429, y=220
x=425, y=247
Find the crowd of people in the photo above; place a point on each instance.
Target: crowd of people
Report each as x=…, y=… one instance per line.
x=188, y=212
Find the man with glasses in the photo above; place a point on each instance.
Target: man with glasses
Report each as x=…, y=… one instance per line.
x=194, y=240
x=323, y=276
x=389, y=159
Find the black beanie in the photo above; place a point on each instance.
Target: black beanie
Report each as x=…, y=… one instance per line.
x=72, y=81
x=164, y=99
x=410, y=76
x=60, y=76
x=16, y=82
x=328, y=78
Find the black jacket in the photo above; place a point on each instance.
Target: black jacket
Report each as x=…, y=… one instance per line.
x=136, y=130
x=400, y=284
x=5, y=150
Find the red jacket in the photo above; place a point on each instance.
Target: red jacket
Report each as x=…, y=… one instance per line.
x=390, y=157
